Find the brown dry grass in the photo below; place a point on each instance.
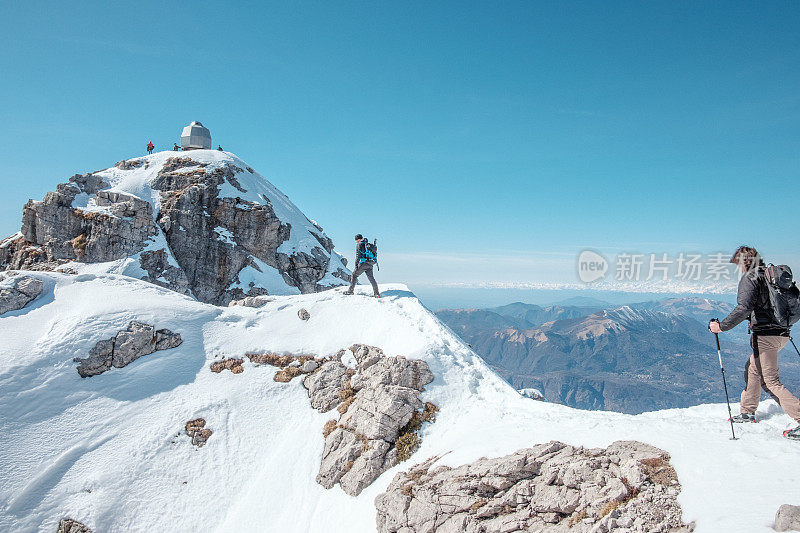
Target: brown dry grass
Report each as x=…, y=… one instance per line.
x=287, y=374
x=79, y=244
x=406, y=445
x=342, y=408
x=610, y=506
x=234, y=365
x=659, y=471
x=328, y=428
x=577, y=517
x=477, y=505
x=271, y=359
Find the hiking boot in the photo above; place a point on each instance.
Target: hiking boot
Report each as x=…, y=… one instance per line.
x=347, y=292
x=377, y=295
x=742, y=418
x=793, y=434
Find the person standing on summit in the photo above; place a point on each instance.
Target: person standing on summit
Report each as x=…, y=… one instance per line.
x=366, y=258
x=150, y=147
x=768, y=338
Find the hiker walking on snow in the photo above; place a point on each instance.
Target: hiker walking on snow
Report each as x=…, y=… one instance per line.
x=366, y=257
x=150, y=147
x=768, y=338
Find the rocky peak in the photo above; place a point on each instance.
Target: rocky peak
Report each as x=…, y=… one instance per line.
x=202, y=223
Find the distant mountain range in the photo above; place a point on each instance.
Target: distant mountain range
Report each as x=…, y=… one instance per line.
x=634, y=358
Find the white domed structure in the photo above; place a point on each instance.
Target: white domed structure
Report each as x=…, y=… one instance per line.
x=195, y=136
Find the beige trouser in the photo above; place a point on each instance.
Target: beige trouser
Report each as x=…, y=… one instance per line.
x=762, y=371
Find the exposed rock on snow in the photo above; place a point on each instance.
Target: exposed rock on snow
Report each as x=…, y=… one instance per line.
x=291, y=366
x=127, y=346
x=198, y=431
x=197, y=224
x=250, y=301
x=324, y=385
x=19, y=292
x=303, y=314
x=549, y=487
x=385, y=398
x=234, y=365
x=67, y=525
x=788, y=518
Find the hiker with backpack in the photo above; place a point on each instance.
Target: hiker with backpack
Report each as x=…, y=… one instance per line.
x=150, y=147
x=769, y=298
x=366, y=259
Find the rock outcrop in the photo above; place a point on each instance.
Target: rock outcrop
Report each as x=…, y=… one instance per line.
x=553, y=487
x=788, y=518
x=197, y=430
x=303, y=314
x=18, y=291
x=197, y=230
x=125, y=347
x=68, y=525
x=324, y=385
x=377, y=402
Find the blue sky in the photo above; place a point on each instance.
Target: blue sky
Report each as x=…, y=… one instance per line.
x=478, y=141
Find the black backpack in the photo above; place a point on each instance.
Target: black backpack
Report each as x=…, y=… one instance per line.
x=784, y=296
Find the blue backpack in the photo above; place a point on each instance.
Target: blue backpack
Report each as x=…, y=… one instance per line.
x=370, y=253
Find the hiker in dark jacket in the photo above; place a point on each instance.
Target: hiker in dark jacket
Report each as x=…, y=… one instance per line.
x=364, y=265
x=768, y=338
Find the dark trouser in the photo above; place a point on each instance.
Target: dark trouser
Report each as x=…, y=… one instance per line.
x=363, y=268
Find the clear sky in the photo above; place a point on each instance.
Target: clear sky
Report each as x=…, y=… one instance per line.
x=479, y=141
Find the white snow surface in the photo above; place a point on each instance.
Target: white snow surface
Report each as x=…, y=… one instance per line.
x=110, y=451
x=137, y=182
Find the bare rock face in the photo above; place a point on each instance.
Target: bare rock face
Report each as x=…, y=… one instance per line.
x=54, y=231
x=324, y=385
x=550, y=487
x=379, y=399
x=19, y=292
x=216, y=245
x=128, y=345
x=303, y=314
x=68, y=525
x=788, y=518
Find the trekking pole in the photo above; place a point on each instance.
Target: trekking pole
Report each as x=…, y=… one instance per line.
x=724, y=382
x=795, y=346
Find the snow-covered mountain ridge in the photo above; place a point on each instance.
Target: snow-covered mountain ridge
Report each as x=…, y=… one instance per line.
x=110, y=451
x=200, y=222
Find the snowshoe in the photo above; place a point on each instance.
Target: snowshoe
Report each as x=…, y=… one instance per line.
x=742, y=418
x=793, y=434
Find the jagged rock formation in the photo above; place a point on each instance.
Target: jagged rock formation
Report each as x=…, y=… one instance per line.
x=788, y=518
x=379, y=399
x=197, y=430
x=211, y=227
x=553, y=487
x=125, y=347
x=18, y=292
x=67, y=525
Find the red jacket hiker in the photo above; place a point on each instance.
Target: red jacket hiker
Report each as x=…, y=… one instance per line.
x=150, y=147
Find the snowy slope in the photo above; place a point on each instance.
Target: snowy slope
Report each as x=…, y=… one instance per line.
x=106, y=450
